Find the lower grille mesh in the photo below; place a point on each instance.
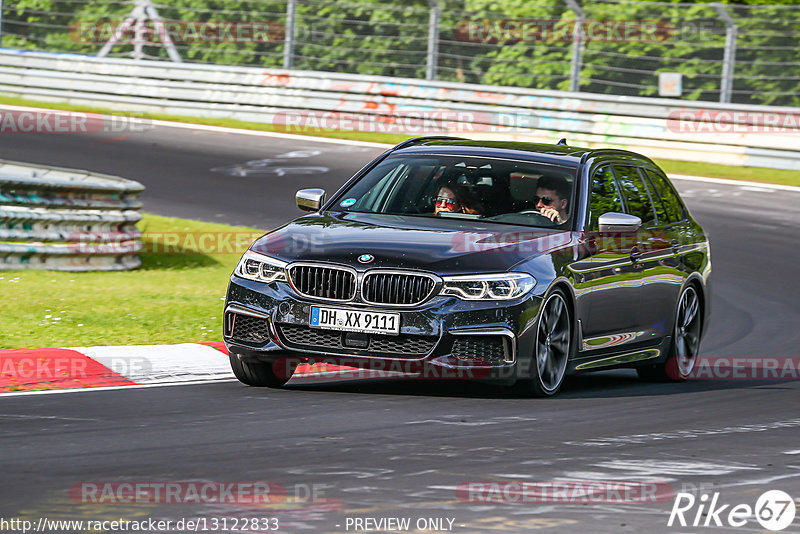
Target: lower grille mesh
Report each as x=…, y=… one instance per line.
x=492, y=349
x=420, y=345
x=246, y=328
x=402, y=346
x=312, y=337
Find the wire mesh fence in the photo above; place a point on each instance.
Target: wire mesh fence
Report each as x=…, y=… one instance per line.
x=723, y=52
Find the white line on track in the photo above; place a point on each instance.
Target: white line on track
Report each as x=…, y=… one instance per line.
x=113, y=388
x=262, y=133
x=210, y=128
x=756, y=481
x=22, y=416
x=639, y=439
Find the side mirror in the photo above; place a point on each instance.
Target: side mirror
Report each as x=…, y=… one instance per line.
x=619, y=222
x=310, y=199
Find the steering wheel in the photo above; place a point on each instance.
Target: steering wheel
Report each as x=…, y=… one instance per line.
x=538, y=217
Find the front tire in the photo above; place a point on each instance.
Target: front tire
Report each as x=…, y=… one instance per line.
x=258, y=374
x=685, y=342
x=552, y=348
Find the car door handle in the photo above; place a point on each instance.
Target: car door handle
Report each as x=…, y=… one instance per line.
x=635, y=254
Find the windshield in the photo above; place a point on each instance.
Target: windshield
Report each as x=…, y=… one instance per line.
x=486, y=189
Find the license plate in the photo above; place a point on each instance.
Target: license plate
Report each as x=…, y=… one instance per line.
x=355, y=320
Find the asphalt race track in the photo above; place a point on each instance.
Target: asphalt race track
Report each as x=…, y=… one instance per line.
x=403, y=448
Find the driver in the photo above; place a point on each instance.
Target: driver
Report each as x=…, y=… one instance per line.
x=552, y=196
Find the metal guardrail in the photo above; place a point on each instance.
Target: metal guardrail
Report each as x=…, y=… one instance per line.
x=67, y=220
x=649, y=125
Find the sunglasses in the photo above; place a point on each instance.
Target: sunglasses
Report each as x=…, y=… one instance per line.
x=442, y=202
x=544, y=200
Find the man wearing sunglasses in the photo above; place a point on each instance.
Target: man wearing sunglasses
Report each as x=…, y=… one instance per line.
x=552, y=196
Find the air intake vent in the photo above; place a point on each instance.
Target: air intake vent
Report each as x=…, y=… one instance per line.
x=325, y=282
x=246, y=328
x=396, y=288
x=491, y=350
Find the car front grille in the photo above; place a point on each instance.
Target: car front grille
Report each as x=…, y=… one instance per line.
x=327, y=282
x=300, y=337
x=490, y=349
x=246, y=328
x=396, y=288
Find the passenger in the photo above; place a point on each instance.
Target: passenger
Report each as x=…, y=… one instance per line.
x=552, y=196
x=455, y=198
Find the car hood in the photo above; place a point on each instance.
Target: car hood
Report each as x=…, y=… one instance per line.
x=444, y=246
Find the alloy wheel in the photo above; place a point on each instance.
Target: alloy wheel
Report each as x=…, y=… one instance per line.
x=687, y=331
x=553, y=342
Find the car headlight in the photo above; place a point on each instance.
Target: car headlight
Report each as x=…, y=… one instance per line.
x=501, y=286
x=255, y=266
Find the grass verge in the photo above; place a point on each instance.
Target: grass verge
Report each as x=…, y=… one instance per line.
x=755, y=174
x=710, y=170
x=176, y=296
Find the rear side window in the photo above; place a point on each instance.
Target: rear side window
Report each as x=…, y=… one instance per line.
x=635, y=193
x=672, y=202
x=604, y=196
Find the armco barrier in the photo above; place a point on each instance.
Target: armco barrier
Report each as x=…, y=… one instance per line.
x=717, y=133
x=67, y=220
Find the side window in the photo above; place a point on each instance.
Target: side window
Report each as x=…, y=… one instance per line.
x=658, y=204
x=671, y=200
x=604, y=196
x=637, y=198
x=379, y=194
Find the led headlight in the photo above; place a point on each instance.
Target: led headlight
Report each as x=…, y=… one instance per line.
x=255, y=266
x=501, y=286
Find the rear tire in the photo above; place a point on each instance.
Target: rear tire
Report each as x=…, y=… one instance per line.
x=258, y=374
x=685, y=342
x=553, y=348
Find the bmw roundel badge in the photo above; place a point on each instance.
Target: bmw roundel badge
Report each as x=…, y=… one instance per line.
x=366, y=258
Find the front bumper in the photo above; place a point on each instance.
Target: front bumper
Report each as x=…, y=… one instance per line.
x=444, y=331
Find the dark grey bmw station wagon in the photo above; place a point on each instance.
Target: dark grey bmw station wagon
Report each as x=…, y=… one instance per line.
x=521, y=262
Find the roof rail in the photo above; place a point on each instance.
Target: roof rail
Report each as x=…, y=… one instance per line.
x=597, y=151
x=416, y=140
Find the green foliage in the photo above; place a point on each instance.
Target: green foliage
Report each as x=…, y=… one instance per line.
x=480, y=41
